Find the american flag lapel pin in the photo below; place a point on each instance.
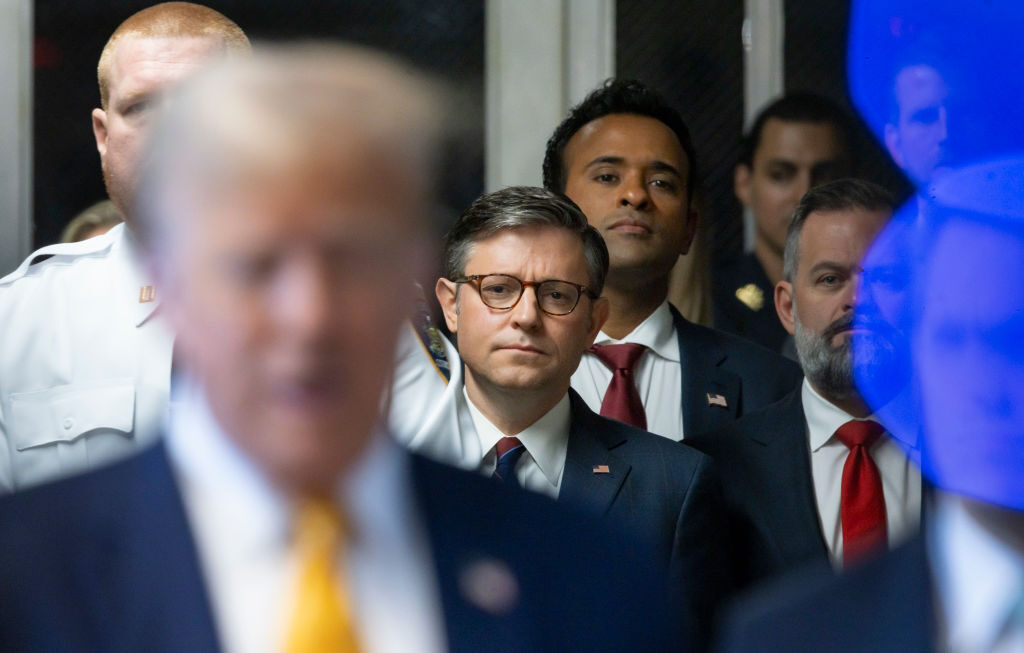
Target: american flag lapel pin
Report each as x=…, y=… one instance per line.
x=602, y=469
x=147, y=294
x=717, y=400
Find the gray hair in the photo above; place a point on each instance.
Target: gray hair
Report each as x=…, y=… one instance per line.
x=277, y=108
x=517, y=207
x=839, y=195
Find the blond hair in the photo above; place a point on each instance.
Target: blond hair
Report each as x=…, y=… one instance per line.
x=171, y=19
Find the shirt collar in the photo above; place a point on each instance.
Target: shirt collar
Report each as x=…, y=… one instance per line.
x=979, y=579
x=546, y=440
x=657, y=333
x=823, y=417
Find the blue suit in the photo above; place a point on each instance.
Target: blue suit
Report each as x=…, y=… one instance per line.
x=659, y=489
x=765, y=465
x=885, y=605
x=745, y=375
x=106, y=562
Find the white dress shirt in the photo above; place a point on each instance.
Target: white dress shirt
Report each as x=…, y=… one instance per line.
x=978, y=580
x=546, y=442
x=657, y=374
x=241, y=527
x=901, y=480
x=85, y=360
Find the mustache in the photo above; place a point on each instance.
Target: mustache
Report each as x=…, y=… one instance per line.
x=844, y=323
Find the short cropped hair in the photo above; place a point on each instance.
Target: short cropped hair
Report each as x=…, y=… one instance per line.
x=99, y=215
x=839, y=195
x=171, y=19
x=518, y=207
x=616, y=96
x=799, y=107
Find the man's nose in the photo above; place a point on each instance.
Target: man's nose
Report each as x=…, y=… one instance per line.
x=526, y=313
x=633, y=191
x=302, y=300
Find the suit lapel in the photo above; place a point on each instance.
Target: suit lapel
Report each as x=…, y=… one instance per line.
x=593, y=474
x=792, y=512
x=705, y=383
x=153, y=552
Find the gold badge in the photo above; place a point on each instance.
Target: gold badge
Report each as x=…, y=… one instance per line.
x=751, y=295
x=147, y=294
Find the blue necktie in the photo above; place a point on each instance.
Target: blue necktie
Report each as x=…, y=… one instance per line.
x=509, y=450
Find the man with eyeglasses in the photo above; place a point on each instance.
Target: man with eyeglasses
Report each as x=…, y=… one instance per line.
x=524, y=274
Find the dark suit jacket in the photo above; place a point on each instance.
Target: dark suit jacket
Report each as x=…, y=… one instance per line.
x=747, y=376
x=764, y=463
x=106, y=562
x=883, y=606
x=660, y=489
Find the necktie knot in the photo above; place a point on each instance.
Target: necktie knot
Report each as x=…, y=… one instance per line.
x=859, y=433
x=622, y=357
x=509, y=450
x=622, y=398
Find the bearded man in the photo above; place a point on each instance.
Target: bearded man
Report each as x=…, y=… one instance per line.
x=816, y=477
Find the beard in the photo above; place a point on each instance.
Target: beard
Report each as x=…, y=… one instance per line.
x=830, y=368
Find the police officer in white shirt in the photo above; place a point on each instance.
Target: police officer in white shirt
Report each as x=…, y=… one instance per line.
x=85, y=359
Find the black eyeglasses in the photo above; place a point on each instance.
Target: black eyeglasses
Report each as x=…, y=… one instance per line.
x=503, y=292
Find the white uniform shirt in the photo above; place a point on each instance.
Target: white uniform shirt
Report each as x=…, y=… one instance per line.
x=901, y=480
x=419, y=388
x=657, y=374
x=979, y=580
x=84, y=364
x=241, y=527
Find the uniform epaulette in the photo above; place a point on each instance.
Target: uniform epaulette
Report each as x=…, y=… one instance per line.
x=429, y=335
x=61, y=251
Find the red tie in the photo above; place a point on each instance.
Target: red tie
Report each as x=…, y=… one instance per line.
x=862, y=505
x=621, y=400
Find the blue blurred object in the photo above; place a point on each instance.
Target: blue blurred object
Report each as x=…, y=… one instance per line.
x=952, y=285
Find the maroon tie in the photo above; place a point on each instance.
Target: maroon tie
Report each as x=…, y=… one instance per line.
x=621, y=400
x=862, y=504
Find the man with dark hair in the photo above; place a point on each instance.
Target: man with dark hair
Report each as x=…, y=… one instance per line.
x=791, y=470
x=524, y=273
x=85, y=356
x=796, y=143
x=626, y=158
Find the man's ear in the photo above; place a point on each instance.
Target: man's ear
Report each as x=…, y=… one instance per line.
x=784, y=305
x=741, y=183
x=99, y=130
x=447, y=296
x=599, y=311
x=892, y=143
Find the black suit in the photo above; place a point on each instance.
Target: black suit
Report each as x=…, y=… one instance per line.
x=885, y=605
x=660, y=489
x=764, y=462
x=747, y=376
x=107, y=562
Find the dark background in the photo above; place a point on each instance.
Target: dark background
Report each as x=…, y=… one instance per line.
x=693, y=52
x=444, y=37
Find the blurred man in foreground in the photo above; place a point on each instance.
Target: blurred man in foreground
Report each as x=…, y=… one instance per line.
x=85, y=357
x=281, y=209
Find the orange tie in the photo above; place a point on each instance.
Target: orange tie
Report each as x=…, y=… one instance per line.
x=321, y=620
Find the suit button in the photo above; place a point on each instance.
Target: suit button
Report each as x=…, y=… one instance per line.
x=68, y=423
